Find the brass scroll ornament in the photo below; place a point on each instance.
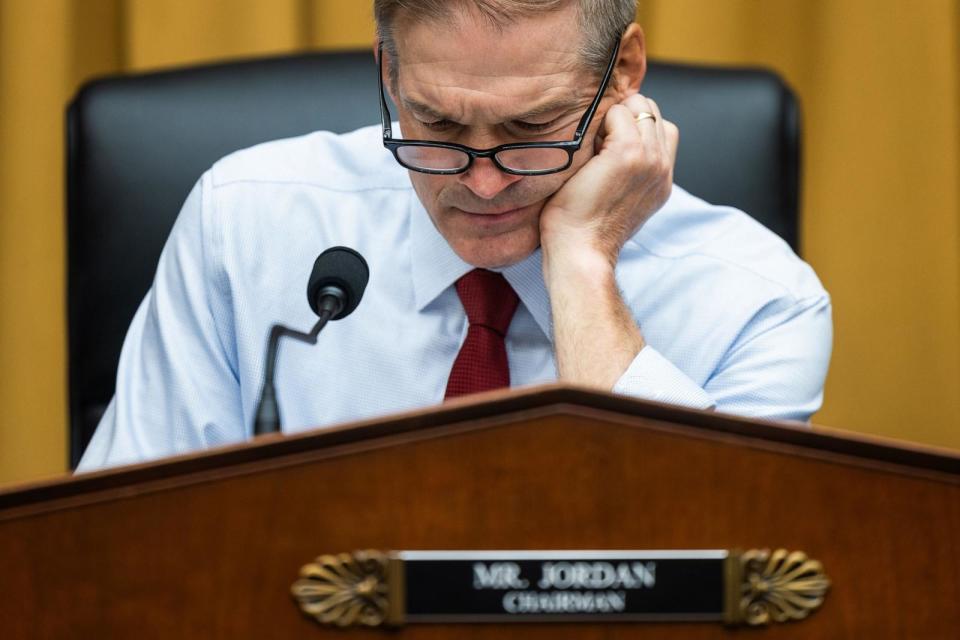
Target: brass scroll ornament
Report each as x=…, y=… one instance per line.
x=778, y=586
x=348, y=589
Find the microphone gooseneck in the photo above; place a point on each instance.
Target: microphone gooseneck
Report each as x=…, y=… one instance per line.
x=334, y=290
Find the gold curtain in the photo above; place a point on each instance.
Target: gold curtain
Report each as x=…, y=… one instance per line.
x=880, y=85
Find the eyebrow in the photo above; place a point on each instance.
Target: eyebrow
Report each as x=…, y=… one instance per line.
x=419, y=107
x=560, y=104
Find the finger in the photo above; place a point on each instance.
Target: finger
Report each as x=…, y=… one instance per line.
x=639, y=106
x=671, y=134
x=673, y=139
x=657, y=119
x=621, y=126
x=649, y=127
x=668, y=133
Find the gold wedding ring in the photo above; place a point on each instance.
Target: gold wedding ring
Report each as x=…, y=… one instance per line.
x=644, y=116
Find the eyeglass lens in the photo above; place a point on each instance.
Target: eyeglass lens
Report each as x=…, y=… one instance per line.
x=446, y=159
x=432, y=158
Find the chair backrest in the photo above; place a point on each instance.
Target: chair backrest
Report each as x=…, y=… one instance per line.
x=137, y=143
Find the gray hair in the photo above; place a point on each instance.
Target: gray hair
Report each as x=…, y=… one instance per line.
x=601, y=21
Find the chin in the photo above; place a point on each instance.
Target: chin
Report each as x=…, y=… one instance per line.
x=497, y=253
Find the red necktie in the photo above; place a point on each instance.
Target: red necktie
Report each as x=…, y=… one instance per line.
x=481, y=365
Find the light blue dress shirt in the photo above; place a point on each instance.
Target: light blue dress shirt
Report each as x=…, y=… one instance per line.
x=732, y=318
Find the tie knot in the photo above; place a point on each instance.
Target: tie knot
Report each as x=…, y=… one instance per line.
x=488, y=299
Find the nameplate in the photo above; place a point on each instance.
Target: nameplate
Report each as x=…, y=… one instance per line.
x=498, y=587
x=370, y=588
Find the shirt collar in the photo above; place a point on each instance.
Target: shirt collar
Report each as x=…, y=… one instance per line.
x=526, y=278
x=436, y=266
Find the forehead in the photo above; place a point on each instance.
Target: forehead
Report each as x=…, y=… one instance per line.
x=468, y=67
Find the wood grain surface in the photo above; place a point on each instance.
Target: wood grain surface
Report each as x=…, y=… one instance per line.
x=207, y=546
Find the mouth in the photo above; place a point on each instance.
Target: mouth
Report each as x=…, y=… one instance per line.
x=496, y=216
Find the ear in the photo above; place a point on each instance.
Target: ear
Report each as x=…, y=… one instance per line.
x=632, y=63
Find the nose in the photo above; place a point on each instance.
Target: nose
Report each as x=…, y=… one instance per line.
x=485, y=180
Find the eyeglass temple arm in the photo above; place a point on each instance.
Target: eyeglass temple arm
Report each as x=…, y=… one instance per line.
x=588, y=116
x=384, y=109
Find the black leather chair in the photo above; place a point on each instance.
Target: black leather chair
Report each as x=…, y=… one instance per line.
x=136, y=144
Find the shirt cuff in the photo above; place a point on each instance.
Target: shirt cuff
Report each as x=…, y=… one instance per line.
x=652, y=377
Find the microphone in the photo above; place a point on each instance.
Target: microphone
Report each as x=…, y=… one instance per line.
x=334, y=290
x=339, y=272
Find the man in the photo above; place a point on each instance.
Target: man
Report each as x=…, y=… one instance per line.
x=490, y=264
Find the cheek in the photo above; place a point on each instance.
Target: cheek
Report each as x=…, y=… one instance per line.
x=428, y=187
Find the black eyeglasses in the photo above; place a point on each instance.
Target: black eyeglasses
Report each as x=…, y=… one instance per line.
x=522, y=158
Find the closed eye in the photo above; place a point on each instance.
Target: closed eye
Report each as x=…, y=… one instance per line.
x=535, y=127
x=439, y=125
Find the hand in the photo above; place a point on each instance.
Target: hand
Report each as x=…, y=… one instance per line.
x=584, y=226
x=610, y=197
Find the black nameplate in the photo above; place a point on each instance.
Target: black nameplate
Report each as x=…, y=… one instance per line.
x=497, y=586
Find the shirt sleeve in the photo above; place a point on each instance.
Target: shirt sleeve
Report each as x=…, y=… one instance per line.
x=775, y=369
x=177, y=386
x=652, y=377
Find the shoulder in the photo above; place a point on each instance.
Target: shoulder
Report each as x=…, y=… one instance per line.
x=350, y=162
x=281, y=202
x=726, y=248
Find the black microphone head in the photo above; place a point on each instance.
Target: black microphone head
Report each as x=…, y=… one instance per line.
x=344, y=269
